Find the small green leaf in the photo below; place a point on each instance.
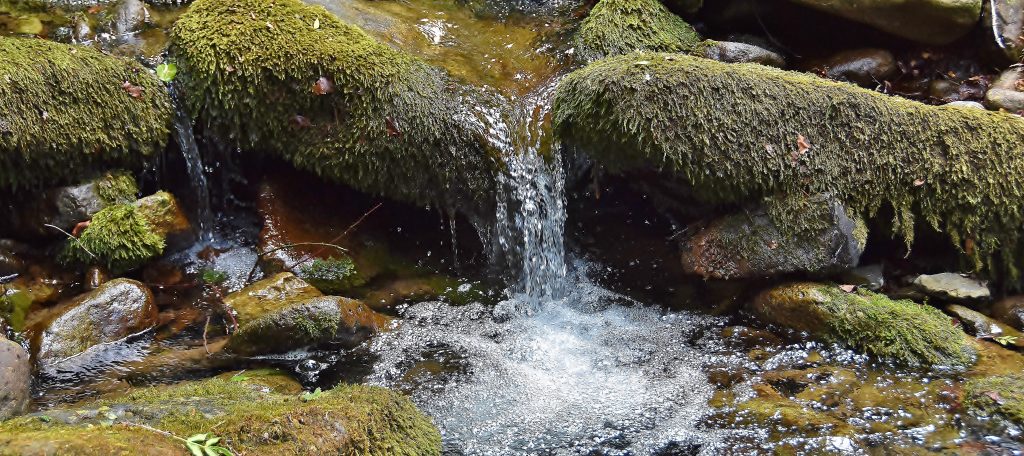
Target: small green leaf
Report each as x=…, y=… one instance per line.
x=45, y=418
x=196, y=438
x=166, y=71
x=307, y=396
x=194, y=448
x=213, y=441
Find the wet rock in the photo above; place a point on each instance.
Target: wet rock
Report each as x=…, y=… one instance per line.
x=616, y=27
x=1004, y=22
x=727, y=134
x=733, y=52
x=1010, y=311
x=392, y=125
x=129, y=16
x=965, y=105
x=864, y=67
x=978, y=325
x=684, y=6
x=1007, y=92
x=927, y=21
x=10, y=263
x=15, y=379
x=952, y=287
x=871, y=277
x=114, y=115
x=998, y=401
x=747, y=337
x=332, y=275
x=248, y=413
x=785, y=235
x=64, y=207
x=95, y=276
x=896, y=330
x=115, y=310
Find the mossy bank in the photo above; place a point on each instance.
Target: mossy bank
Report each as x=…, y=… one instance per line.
x=66, y=111
x=733, y=132
x=616, y=27
x=295, y=81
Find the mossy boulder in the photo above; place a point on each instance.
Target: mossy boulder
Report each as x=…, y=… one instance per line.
x=927, y=21
x=901, y=331
x=250, y=416
x=735, y=132
x=616, y=27
x=65, y=206
x=999, y=400
x=295, y=81
x=66, y=111
x=332, y=275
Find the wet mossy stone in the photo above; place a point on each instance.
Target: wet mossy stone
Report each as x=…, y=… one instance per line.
x=997, y=399
x=250, y=416
x=295, y=81
x=616, y=27
x=67, y=111
x=901, y=331
x=735, y=132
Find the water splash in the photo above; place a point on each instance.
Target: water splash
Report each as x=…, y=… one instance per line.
x=193, y=166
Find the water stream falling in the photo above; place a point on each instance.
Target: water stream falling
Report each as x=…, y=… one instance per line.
x=193, y=166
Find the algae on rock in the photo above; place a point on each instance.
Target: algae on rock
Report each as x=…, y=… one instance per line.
x=66, y=111
x=997, y=398
x=733, y=132
x=295, y=81
x=616, y=27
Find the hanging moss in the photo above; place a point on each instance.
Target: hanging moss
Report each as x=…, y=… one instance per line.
x=382, y=122
x=118, y=237
x=616, y=27
x=734, y=132
x=64, y=111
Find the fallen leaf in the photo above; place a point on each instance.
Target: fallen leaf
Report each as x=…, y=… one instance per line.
x=323, y=86
x=316, y=23
x=995, y=397
x=969, y=246
x=132, y=89
x=802, y=147
x=772, y=245
x=94, y=9
x=230, y=68
x=391, y=127
x=301, y=121
x=1019, y=85
x=918, y=182
x=848, y=288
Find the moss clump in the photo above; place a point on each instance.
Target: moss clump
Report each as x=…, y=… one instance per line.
x=734, y=132
x=616, y=27
x=64, y=112
x=333, y=275
x=346, y=420
x=118, y=237
x=116, y=187
x=1000, y=398
x=901, y=331
x=330, y=99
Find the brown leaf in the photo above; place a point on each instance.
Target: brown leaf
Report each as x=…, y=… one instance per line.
x=969, y=246
x=94, y=9
x=994, y=396
x=323, y=86
x=230, y=68
x=1019, y=85
x=392, y=127
x=132, y=89
x=918, y=182
x=848, y=288
x=802, y=147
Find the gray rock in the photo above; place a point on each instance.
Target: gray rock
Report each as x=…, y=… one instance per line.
x=965, y=105
x=64, y=207
x=927, y=21
x=15, y=379
x=734, y=52
x=115, y=310
x=978, y=325
x=1006, y=92
x=871, y=277
x=762, y=242
x=1004, y=23
x=952, y=287
x=1010, y=311
x=130, y=16
x=864, y=67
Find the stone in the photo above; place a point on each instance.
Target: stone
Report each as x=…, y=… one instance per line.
x=965, y=105
x=114, y=311
x=871, y=277
x=864, y=67
x=998, y=401
x=926, y=21
x=64, y=207
x=978, y=325
x=901, y=331
x=790, y=235
x=1010, y=310
x=735, y=52
x=952, y=287
x=15, y=379
x=1007, y=92
x=1004, y=23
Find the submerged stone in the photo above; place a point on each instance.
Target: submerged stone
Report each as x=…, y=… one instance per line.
x=927, y=21
x=901, y=331
x=733, y=132
x=67, y=111
x=295, y=81
x=785, y=235
x=251, y=416
x=616, y=27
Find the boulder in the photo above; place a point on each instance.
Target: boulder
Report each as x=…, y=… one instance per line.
x=249, y=414
x=871, y=277
x=1003, y=20
x=949, y=286
x=293, y=80
x=114, y=311
x=784, y=235
x=735, y=52
x=116, y=114
x=1010, y=310
x=978, y=325
x=864, y=67
x=64, y=207
x=1007, y=92
x=926, y=21
x=901, y=331
x=998, y=401
x=733, y=132
x=616, y=27
x=15, y=379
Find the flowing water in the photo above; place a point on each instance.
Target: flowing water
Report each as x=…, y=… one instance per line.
x=193, y=167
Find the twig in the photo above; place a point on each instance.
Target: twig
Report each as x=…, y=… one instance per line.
x=248, y=277
x=72, y=238
x=206, y=327
x=338, y=238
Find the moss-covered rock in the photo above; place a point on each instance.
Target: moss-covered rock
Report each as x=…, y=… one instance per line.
x=68, y=110
x=928, y=21
x=65, y=206
x=735, y=132
x=293, y=80
x=249, y=416
x=999, y=399
x=332, y=275
x=901, y=331
x=616, y=27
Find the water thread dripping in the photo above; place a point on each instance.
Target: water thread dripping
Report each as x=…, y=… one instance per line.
x=193, y=166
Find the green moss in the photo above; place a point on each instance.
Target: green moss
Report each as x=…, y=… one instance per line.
x=616, y=27
x=333, y=275
x=118, y=237
x=731, y=132
x=391, y=125
x=998, y=397
x=375, y=421
x=117, y=187
x=53, y=131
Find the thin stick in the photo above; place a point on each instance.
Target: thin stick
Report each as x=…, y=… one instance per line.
x=338, y=238
x=248, y=277
x=72, y=238
x=206, y=327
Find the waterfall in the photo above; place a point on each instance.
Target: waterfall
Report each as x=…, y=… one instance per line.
x=193, y=166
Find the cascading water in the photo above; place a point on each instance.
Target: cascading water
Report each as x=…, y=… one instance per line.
x=562, y=366
x=193, y=166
